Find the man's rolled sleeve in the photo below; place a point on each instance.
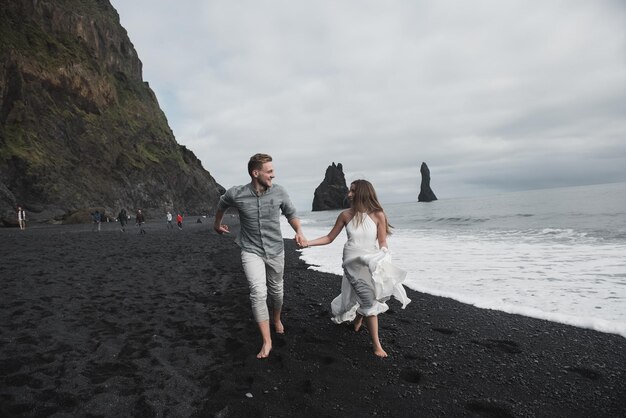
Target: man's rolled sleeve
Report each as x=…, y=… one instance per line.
x=288, y=208
x=226, y=201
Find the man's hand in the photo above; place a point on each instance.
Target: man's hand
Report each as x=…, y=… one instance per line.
x=301, y=240
x=221, y=229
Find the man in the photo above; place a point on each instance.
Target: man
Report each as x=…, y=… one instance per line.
x=169, y=220
x=139, y=220
x=260, y=204
x=123, y=219
x=97, y=219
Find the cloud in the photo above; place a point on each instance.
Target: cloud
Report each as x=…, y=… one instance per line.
x=485, y=92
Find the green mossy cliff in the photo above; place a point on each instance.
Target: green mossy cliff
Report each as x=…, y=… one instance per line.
x=79, y=128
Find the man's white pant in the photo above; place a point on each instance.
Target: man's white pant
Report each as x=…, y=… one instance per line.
x=265, y=277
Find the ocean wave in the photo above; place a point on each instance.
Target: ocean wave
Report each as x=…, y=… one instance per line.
x=598, y=324
x=458, y=220
x=471, y=220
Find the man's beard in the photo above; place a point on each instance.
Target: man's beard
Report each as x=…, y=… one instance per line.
x=265, y=184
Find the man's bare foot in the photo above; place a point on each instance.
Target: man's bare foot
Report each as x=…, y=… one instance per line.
x=379, y=352
x=278, y=326
x=358, y=321
x=265, y=351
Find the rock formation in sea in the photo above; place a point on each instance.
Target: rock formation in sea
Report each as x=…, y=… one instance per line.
x=426, y=193
x=79, y=128
x=332, y=193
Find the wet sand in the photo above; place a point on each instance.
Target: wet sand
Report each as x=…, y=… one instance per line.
x=121, y=324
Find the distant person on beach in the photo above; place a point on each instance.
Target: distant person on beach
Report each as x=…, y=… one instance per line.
x=179, y=221
x=97, y=219
x=21, y=218
x=169, y=220
x=260, y=204
x=123, y=219
x=369, y=278
x=139, y=220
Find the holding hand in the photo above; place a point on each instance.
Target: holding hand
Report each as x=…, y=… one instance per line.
x=301, y=241
x=221, y=229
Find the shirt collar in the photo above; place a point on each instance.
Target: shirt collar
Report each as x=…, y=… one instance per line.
x=253, y=190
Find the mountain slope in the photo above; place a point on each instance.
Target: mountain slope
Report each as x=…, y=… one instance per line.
x=79, y=128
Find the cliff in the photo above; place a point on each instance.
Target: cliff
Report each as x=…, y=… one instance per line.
x=79, y=128
x=332, y=192
x=426, y=193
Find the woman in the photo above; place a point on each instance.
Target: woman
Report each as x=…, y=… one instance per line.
x=369, y=278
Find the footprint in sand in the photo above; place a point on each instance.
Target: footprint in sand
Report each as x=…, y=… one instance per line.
x=502, y=345
x=232, y=344
x=317, y=340
x=328, y=360
x=444, y=331
x=19, y=380
x=585, y=372
x=414, y=356
x=411, y=376
x=489, y=408
x=307, y=387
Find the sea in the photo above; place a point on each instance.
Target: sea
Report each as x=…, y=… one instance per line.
x=554, y=254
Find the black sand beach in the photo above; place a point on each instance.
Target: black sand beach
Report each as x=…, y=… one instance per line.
x=121, y=324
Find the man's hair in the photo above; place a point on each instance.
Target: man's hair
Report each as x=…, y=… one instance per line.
x=256, y=162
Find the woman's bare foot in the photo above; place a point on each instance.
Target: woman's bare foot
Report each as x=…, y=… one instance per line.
x=358, y=321
x=278, y=326
x=379, y=352
x=265, y=351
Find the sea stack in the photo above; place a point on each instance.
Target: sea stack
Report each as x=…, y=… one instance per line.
x=332, y=192
x=426, y=193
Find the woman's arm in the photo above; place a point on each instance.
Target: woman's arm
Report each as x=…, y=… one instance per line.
x=342, y=219
x=381, y=228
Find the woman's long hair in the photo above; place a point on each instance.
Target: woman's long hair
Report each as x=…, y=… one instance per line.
x=365, y=201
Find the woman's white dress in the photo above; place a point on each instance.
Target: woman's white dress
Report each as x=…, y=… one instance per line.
x=369, y=277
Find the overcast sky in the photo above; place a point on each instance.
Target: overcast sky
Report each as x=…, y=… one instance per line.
x=494, y=96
